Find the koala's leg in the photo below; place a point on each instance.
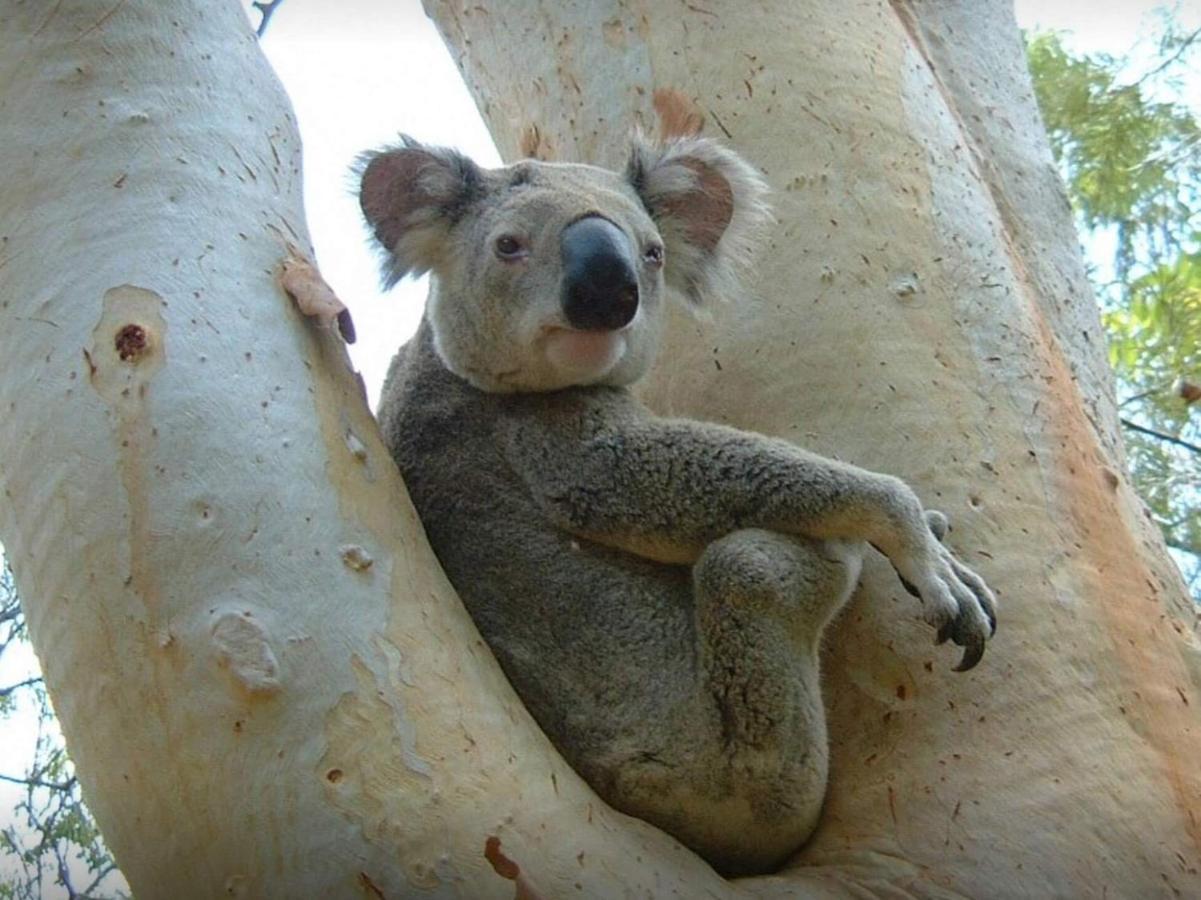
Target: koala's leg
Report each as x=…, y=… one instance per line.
x=762, y=600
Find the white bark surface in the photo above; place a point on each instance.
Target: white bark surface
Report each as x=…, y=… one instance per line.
x=253, y=716
x=921, y=310
x=253, y=711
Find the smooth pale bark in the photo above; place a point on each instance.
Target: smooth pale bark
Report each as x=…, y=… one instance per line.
x=253, y=716
x=253, y=711
x=921, y=309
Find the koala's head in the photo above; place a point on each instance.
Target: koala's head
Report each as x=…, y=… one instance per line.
x=549, y=275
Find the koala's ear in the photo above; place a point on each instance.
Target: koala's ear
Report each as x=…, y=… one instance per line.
x=709, y=205
x=412, y=195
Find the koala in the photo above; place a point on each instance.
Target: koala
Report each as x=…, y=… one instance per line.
x=655, y=588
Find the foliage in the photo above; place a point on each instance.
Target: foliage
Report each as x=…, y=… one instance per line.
x=50, y=840
x=1132, y=166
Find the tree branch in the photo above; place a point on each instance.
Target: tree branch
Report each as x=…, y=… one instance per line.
x=64, y=873
x=1183, y=548
x=1143, y=394
x=1168, y=156
x=1185, y=43
x=267, y=10
x=102, y=873
x=37, y=782
x=13, y=688
x=10, y=611
x=1159, y=435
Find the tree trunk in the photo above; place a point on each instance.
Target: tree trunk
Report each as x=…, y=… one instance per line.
x=921, y=309
x=193, y=488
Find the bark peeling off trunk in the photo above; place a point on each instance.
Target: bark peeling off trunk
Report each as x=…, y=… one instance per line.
x=920, y=309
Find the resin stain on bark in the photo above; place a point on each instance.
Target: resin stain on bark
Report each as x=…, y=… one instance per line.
x=128, y=350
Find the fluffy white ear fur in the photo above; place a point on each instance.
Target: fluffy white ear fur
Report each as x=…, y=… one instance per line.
x=710, y=207
x=412, y=195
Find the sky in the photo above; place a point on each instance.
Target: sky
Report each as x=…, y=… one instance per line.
x=360, y=72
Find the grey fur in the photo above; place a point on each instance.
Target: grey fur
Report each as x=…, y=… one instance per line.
x=655, y=589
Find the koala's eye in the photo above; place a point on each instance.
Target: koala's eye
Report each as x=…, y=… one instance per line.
x=510, y=248
x=653, y=255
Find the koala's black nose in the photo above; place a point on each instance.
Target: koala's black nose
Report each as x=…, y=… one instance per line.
x=600, y=285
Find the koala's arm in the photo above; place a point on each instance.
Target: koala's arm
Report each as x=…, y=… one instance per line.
x=665, y=488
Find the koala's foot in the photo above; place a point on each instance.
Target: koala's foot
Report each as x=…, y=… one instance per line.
x=956, y=600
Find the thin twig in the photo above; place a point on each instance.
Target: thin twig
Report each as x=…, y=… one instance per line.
x=1147, y=393
x=13, y=688
x=1150, y=432
x=102, y=874
x=37, y=782
x=1169, y=156
x=267, y=9
x=10, y=612
x=1185, y=43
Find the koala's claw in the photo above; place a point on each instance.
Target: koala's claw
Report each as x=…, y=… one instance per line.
x=964, y=630
x=957, y=601
x=966, y=626
x=980, y=590
x=960, y=631
x=973, y=652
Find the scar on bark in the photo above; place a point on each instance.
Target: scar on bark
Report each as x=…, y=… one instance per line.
x=244, y=649
x=679, y=115
x=369, y=886
x=313, y=297
x=535, y=145
x=131, y=342
x=355, y=557
x=506, y=868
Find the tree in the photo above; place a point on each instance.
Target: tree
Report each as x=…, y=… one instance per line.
x=52, y=831
x=266, y=684
x=1133, y=170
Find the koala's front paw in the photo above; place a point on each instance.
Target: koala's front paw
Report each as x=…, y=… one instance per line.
x=956, y=600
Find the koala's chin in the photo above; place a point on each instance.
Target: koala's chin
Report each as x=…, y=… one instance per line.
x=584, y=357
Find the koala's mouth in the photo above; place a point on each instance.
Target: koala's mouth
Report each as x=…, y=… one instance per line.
x=584, y=354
